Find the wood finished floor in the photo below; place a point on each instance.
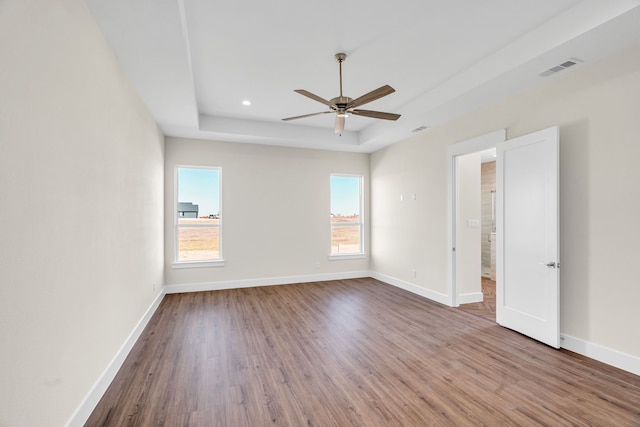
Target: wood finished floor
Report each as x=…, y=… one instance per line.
x=351, y=353
x=486, y=308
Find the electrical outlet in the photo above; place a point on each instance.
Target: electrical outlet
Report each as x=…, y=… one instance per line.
x=154, y=287
x=415, y=273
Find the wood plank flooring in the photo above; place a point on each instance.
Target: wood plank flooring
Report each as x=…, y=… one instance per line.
x=486, y=308
x=351, y=353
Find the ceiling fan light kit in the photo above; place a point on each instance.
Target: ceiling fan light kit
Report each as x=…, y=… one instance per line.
x=343, y=106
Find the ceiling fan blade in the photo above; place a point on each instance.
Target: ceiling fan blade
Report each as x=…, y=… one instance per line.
x=339, y=123
x=371, y=96
x=306, y=115
x=376, y=114
x=313, y=96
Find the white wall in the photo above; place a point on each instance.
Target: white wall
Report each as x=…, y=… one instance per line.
x=468, y=239
x=81, y=235
x=410, y=234
x=275, y=211
x=596, y=107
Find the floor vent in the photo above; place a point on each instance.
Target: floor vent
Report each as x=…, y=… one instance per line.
x=553, y=70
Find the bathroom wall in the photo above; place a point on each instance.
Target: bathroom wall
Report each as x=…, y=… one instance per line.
x=488, y=183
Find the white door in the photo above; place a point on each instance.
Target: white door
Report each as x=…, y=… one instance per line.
x=527, y=261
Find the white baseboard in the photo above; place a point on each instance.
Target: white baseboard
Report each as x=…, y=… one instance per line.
x=602, y=354
x=270, y=281
x=419, y=290
x=89, y=403
x=470, y=298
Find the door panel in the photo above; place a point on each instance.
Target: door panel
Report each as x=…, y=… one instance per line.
x=527, y=289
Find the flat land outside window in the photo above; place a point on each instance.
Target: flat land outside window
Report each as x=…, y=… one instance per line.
x=198, y=214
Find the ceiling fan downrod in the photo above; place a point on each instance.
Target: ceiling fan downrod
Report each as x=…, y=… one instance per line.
x=340, y=57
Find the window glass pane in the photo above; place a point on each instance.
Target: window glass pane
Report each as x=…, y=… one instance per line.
x=198, y=243
x=345, y=239
x=198, y=193
x=198, y=214
x=345, y=196
x=346, y=221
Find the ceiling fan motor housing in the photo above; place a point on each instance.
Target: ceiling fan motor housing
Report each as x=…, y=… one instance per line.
x=341, y=101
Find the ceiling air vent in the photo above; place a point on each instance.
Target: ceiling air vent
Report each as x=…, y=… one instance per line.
x=420, y=129
x=553, y=70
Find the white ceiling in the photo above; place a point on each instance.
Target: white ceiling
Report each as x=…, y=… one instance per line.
x=195, y=61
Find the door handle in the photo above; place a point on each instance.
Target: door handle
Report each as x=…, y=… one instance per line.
x=552, y=265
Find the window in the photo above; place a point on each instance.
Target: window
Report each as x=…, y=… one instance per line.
x=346, y=215
x=198, y=215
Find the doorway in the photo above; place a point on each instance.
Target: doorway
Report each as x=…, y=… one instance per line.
x=464, y=234
x=487, y=187
x=465, y=230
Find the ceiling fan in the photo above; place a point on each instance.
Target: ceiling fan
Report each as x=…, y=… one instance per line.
x=343, y=105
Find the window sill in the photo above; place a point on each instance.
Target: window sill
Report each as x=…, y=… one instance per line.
x=197, y=264
x=347, y=256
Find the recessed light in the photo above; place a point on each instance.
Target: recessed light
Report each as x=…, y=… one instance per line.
x=246, y=102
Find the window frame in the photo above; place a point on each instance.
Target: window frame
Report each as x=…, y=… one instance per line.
x=360, y=223
x=219, y=262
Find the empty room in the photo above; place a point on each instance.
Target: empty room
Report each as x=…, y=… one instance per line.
x=356, y=213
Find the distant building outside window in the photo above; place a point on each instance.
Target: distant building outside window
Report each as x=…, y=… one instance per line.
x=346, y=214
x=198, y=214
